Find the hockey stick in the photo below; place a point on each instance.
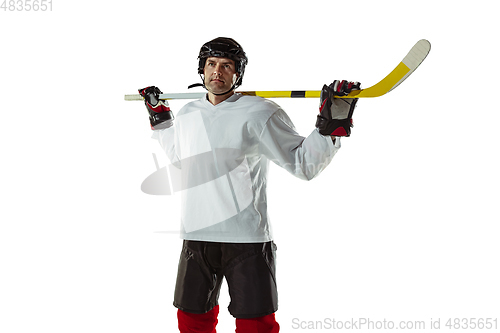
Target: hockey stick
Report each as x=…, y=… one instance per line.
x=407, y=66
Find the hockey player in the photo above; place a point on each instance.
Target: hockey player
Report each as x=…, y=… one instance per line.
x=222, y=145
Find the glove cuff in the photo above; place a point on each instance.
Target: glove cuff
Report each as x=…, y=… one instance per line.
x=157, y=120
x=334, y=127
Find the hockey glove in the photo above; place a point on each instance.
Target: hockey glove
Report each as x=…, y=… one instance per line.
x=160, y=116
x=335, y=114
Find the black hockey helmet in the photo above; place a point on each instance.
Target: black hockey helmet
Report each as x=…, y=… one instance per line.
x=224, y=47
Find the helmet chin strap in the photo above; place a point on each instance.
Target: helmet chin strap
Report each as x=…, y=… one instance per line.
x=203, y=85
x=232, y=88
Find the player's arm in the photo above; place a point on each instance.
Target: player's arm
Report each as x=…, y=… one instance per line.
x=160, y=117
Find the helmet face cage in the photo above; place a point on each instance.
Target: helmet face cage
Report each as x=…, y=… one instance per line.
x=223, y=47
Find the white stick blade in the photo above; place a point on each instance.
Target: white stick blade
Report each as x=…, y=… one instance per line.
x=414, y=58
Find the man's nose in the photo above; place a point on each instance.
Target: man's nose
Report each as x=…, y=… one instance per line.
x=217, y=68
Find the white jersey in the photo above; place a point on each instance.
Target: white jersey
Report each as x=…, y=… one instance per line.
x=221, y=156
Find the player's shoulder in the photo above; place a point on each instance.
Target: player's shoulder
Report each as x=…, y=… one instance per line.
x=190, y=107
x=259, y=104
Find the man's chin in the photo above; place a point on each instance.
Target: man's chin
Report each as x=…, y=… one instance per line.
x=218, y=90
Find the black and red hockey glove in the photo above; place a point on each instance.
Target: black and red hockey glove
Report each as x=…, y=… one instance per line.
x=335, y=114
x=160, y=116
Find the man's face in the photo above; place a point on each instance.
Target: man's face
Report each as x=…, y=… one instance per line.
x=220, y=74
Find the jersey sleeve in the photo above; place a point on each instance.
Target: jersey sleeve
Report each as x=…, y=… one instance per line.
x=168, y=142
x=303, y=157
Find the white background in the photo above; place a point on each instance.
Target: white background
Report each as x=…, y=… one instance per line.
x=403, y=225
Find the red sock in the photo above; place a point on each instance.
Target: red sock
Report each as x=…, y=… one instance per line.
x=198, y=323
x=266, y=324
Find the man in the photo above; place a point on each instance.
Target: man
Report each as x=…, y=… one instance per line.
x=222, y=145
